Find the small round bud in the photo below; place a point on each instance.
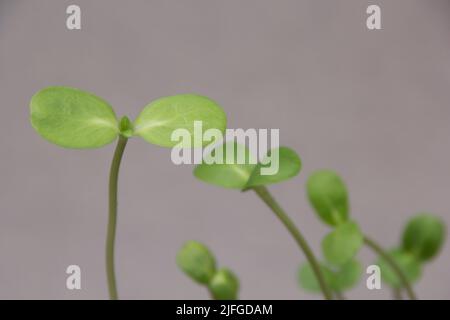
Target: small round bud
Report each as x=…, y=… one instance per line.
x=126, y=127
x=224, y=285
x=197, y=262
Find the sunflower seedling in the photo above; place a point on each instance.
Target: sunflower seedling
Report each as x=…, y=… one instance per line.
x=246, y=176
x=72, y=118
x=422, y=239
x=328, y=196
x=197, y=261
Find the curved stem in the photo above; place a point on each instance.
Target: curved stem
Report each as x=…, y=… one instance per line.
x=265, y=196
x=112, y=219
x=380, y=251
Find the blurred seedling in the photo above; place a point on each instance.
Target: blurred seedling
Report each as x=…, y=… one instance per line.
x=423, y=237
x=247, y=176
x=422, y=240
x=197, y=262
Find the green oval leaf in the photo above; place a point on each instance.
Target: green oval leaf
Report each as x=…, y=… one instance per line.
x=307, y=278
x=159, y=119
x=233, y=175
x=224, y=285
x=72, y=118
x=197, y=262
x=342, y=244
x=327, y=194
x=410, y=266
x=247, y=174
x=424, y=236
x=348, y=276
x=340, y=280
x=285, y=160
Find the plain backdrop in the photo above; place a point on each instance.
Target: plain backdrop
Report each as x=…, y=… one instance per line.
x=372, y=105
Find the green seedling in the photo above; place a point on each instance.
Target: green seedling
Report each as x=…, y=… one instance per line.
x=338, y=279
x=72, y=118
x=197, y=262
x=246, y=176
x=339, y=248
x=422, y=240
x=328, y=196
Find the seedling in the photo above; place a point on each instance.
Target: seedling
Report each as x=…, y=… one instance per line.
x=248, y=177
x=197, y=262
x=422, y=239
x=72, y=118
x=328, y=196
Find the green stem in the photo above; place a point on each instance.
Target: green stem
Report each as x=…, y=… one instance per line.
x=112, y=219
x=387, y=257
x=265, y=196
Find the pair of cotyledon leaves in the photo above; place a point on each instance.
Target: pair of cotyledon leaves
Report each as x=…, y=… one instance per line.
x=422, y=239
x=328, y=196
x=198, y=262
x=72, y=118
x=242, y=174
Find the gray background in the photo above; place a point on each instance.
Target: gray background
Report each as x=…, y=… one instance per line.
x=373, y=105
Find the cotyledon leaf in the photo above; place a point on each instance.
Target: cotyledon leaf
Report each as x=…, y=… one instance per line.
x=347, y=276
x=328, y=196
x=197, y=261
x=424, y=236
x=284, y=164
x=224, y=285
x=72, y=118
x=344, y=278
x=231, y=175
x=409, y=264
x=162, y=117
x=343, y=243
x=307, y=278
x=239, y=175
